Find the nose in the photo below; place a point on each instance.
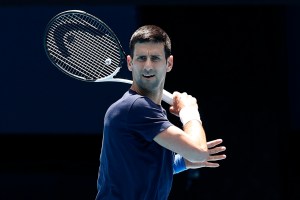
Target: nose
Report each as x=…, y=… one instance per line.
x=148, y=64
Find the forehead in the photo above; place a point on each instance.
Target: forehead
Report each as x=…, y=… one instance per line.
x=149, y=48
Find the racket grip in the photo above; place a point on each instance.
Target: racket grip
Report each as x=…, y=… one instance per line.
x=167, y=97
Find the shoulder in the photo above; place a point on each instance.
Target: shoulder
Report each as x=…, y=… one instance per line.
x=137, y=101
x=142, y=104
x=133, y=103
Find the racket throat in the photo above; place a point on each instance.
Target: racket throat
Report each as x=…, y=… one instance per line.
x=115, y=80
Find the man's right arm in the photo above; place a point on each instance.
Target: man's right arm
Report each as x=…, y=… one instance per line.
x=190, y=141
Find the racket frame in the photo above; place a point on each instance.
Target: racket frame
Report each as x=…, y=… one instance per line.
x=167, y=96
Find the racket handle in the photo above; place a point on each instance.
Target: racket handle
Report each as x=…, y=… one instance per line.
x=167, y=97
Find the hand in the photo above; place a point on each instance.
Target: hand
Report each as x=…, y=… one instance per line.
x=181, y=100
x=213, y=150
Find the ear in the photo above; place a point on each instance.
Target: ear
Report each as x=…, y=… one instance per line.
x=129, y=62
x=170, y=63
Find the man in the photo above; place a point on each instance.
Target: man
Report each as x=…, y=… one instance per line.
x=141, y=148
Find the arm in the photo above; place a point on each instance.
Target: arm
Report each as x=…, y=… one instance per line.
x=214, y=155
x=189, y=142
x=180, y=164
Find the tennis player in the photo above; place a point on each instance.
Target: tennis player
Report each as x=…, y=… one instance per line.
x=141, y=148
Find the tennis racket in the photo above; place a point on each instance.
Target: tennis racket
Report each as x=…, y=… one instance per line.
x=85, y=48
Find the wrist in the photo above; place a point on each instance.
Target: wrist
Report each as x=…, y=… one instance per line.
x=179, y=164
x=187, y=114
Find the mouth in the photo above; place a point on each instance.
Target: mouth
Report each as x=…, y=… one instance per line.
x=148, y=76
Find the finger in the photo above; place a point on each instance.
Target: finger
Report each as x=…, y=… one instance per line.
x=173, y=111
x=216, y=157
x=216, y=150
x=213, y=143
x=175, y=93
x=212, y=165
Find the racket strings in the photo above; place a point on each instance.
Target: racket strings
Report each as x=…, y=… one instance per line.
x=89, y=46
x=108, y=42
x=107, y=39
x=88, y=52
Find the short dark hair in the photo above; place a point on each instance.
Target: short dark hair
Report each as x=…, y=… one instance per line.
x=150, y=33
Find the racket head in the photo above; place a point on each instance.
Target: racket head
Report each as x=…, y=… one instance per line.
x=83, y=46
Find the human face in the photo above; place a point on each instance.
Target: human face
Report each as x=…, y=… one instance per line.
x=149, y=66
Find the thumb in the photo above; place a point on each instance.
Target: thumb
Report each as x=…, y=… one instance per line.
x=173, y=111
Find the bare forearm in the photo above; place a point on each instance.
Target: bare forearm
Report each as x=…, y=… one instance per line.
x=195, y=130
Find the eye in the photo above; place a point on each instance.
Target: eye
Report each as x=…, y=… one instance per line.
x=155, y=58
x=142, y=58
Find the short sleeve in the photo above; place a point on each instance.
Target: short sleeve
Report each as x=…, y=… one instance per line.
x=147, y=118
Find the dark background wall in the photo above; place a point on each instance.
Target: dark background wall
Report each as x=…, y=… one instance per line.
x=239, y=60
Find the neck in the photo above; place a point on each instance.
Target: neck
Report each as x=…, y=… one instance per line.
x=155, y=96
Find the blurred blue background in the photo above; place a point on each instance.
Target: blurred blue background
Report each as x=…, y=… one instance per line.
x=239, y=58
